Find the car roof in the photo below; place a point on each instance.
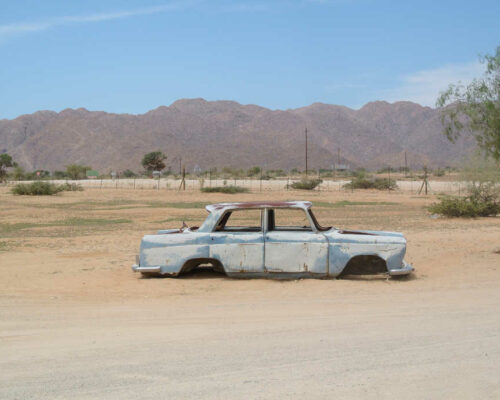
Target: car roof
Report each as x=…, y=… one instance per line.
x=218, y=207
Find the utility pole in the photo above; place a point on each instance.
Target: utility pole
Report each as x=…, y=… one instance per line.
x=180, y=167
x=406, y=166
x=306, y=151
x=338, y=156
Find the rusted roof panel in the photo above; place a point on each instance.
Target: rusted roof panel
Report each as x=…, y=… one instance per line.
x=258, y=204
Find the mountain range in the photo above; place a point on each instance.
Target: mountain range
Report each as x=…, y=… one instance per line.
x=196, y=132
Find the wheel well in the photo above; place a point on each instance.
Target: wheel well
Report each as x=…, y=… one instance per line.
x=365, y=265
x=195, y=262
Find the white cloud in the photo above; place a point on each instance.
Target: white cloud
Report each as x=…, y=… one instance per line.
x=424, y=86
x=13, y=29
x=19, y=28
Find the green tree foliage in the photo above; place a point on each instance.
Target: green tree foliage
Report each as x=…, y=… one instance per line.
x=129, y=174
x=482, y=197
x=154, y=161
x=60, y=174
x=5, y=162
x=18, y=174
x=254, y=171
x=476, y=108
x=76, y=171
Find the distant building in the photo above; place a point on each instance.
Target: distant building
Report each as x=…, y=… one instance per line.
x=92, y=174
x=341, y=167
x=197, y=170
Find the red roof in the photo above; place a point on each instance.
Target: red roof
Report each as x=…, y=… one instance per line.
x=259, y=204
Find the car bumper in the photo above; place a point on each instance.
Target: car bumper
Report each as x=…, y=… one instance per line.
x=404, y=270
x=137, y=268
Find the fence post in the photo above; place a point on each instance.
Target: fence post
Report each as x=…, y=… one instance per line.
x=260, y=190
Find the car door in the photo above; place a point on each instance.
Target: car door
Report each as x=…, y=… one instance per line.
x=238, y=241
x=293, y=245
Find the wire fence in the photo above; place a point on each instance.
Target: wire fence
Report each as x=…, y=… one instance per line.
x=253, y=185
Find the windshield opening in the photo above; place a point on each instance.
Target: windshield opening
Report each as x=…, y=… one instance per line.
x=316, y=223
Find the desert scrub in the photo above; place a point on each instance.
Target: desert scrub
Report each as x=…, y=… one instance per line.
x=36, y=189
x=71, y=187
x=306, y=184
x=482, y=201
x=363, y=182
x=43, y=188
x=225, y=189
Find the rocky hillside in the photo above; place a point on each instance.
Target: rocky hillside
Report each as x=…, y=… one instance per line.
x=226, y=133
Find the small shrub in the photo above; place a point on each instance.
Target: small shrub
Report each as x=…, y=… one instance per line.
x=71, y=187
x=482, y=201
x=439, y=172
x=36, y=189
x=129, y=174
x=385, y=184
x=306, y=184
x=44, y=188
x=225, y=189
x=362, y=182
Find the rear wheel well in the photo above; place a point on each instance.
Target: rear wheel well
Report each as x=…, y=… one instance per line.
x=196, y=262
x=365, y=265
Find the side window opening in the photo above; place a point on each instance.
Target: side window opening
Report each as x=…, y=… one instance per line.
x=288, y=220
x=241, y=221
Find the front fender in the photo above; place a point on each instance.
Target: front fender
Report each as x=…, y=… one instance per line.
x=171, y=252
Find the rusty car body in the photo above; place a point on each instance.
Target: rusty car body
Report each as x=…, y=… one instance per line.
x=271, y=246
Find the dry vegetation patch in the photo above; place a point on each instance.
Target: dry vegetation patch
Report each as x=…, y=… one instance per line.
x=53, y=241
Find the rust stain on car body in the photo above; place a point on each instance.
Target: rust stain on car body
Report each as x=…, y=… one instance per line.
x=269, y=250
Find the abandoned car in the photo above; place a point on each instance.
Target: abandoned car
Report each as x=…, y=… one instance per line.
x=279, y=239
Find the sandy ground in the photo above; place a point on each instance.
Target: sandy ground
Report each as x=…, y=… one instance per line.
x=75, y=322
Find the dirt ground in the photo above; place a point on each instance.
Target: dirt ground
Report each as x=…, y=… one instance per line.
x=76, y=322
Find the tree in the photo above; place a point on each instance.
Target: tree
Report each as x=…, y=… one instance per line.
x=475, y=108
x=76, y=171
x=254, y=171
x=18, y=174
x=129, y=174
x=154, y=161
x=5, y=162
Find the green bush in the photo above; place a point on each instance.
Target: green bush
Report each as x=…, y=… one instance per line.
x=71, y=187
x=306, y=184
x=439, y=172
x=43, y=188
x=76, y=171
x=129, y=174
x=36, y=189
x=362, y=182
x=225, y=189
x=385, y=184
x=483, y=200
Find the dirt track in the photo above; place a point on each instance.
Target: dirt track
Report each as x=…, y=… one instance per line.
x=75, y=322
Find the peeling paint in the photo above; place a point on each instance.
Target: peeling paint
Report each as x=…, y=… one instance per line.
x=318, y=252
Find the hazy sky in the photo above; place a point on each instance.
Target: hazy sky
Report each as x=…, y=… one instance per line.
x=132, y=56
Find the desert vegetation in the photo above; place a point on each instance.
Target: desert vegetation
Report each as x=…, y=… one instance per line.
x=306, y=184
x=41, y=188
x=482, y=197
x=231, y=189
x=364, y=181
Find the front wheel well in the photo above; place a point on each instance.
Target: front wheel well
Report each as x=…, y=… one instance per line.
x=365, y=265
